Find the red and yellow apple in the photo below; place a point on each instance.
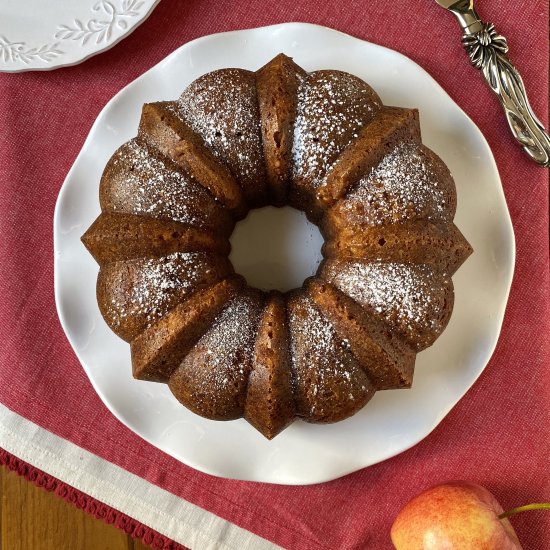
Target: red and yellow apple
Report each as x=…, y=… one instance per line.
x=454, y=516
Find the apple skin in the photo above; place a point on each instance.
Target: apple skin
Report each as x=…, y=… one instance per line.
x=454, y=516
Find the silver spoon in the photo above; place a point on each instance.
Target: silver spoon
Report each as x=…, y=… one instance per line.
x=487, y=51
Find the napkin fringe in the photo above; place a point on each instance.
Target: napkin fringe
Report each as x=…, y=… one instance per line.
x=89, y=504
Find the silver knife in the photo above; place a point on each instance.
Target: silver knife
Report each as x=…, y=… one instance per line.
x=487, y=51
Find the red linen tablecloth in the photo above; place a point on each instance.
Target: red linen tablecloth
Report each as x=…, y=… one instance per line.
x=497, y=435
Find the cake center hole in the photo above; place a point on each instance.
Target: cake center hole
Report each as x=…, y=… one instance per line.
x=276, y=248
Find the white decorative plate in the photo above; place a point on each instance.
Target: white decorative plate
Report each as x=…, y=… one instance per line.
x=46, y=34
x=394, y=420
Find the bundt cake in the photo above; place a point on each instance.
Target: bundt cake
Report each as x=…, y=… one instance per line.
x=323, y=143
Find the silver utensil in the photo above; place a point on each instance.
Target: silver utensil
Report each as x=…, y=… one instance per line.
x=487, y=51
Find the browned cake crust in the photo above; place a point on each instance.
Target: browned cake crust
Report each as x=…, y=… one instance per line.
x=161, y=348
x=409, y=182
x=330, y=384
x=222, y=107
x=115, y=237
x=161, y=127
x=213, y=376
x=416, y=242
x=321, y=142
x=134, y=294
x=386, y=358
x=277, y=84
x=139, y=180
x=378, y=138
x=415, y=300
x=269, y=404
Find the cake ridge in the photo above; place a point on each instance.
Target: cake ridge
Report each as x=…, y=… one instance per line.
x=418, y=242
x=386, y=359
x=332, y=108
x=232, y=131
x=133, y=294
x=409, y=181
x=330, y=383
x=157, y=351
x=213, y=377
x=366, y=151
x=415, y=300
x=138, y=181
x=164, y=128
x=117, y=236
x=277, y=85
x=271, y=379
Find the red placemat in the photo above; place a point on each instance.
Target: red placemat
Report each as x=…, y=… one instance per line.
x=497, y=435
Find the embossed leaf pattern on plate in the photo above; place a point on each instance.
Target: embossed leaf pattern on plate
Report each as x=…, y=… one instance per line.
x=100, y=29
x=108, y=20
x=18, y=51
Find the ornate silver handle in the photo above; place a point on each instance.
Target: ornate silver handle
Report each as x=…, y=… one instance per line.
x=487, y=51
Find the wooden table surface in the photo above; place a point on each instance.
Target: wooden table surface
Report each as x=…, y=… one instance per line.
x=34, y=519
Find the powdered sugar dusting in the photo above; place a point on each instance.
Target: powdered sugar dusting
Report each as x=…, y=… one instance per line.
x=332, y=108
x=158, y=284
x=407, y=295
x=222, y=107
x=320, y=358
x=404, y=185
x=226, y=350
x=148, y=186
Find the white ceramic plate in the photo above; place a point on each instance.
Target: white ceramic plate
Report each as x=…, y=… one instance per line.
x=46, y=34
x=394, y=420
